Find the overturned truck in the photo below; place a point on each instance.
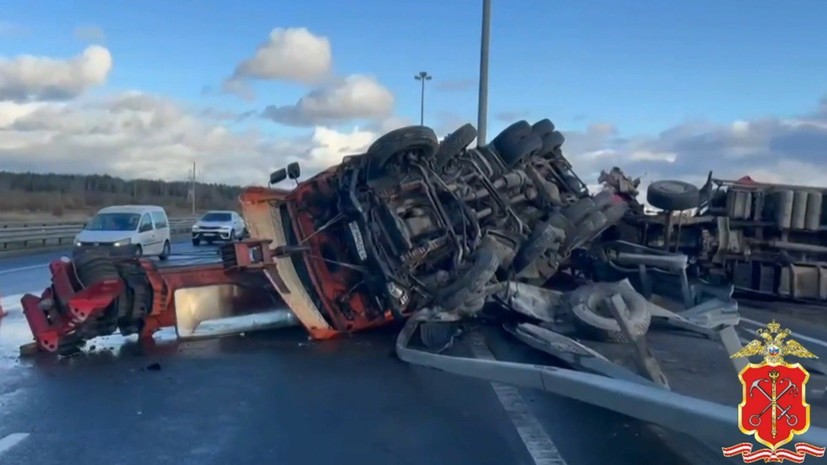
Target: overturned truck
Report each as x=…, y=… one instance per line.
x=504, y=235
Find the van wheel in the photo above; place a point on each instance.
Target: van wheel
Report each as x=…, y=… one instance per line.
x=165, y=253
x=139, y=251
x=233, y=238
x=196, y=241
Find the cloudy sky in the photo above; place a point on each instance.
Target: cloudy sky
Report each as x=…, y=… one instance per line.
x=659, y=88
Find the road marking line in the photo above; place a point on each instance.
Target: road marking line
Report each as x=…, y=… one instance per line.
x=10, y=441
x=24, y=268
x=537, y=442
x=796, y=336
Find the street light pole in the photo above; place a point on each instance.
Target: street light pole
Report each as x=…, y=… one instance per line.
x=482, y=115
x=422, y=76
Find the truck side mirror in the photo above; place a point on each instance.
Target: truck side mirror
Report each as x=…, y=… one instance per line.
x=278, y=176
x=293, y=170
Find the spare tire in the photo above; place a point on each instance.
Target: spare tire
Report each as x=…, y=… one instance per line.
x=592, y=318
x=672, y=195
x=412, y=138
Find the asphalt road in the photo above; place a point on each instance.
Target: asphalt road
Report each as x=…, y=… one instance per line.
x=278, y=398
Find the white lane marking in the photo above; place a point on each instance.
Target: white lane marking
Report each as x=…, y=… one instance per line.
x=24, y=268
x=10, y=441
x=802, y=337
x=537, y=442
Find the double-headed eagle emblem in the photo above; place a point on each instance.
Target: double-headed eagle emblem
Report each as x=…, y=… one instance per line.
x=773, y=409
x=773, y=347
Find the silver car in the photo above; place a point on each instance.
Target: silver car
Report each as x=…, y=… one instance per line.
x=218, y=225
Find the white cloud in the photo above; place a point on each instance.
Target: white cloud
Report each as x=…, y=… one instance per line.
x=352, y=97
x=293, y=54
x=140, y=135
x=27, y=77
x=782, y=150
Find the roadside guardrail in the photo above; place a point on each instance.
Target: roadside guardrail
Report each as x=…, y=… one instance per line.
x=33, y=235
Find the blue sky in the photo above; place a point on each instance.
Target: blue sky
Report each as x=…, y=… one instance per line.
x=642, y=65
x=647, y=85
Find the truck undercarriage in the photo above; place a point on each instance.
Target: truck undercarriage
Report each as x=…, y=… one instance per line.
x=505, y=236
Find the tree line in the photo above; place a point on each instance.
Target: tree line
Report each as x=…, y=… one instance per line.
x=57, y=194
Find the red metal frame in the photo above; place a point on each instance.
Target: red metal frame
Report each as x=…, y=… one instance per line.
x=51, y=327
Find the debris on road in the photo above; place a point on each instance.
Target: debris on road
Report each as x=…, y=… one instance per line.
x=153, y=367
x=454, y=238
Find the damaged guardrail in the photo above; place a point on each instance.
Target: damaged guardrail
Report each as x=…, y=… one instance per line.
x=704, y=420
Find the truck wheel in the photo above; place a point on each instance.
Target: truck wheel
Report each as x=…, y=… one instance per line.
x=421, y=139
x=553, y=141
x=93, y=267
x=673, y=195
x=542, y=127
x=454, y=143
x=467, y=293
x=594, y=320
x=515, y=130
x=513, y=148
x=544, y=238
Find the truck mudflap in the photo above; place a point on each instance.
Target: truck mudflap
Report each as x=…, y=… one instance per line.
x=593, y=379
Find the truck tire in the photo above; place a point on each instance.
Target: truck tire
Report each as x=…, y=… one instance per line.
x=544, y=238
x=593, y=320
x=453, y=144
x=513, y=148
x=519, y=129
x=553, y=141
x=466, y=294
x=542, y=127
x=93, y=267
x=672, y=195
x=411, y=138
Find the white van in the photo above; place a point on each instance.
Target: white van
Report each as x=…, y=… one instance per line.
x=140, y=229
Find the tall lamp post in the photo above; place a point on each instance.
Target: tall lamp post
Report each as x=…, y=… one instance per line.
x=422, y=76
x=482, y=112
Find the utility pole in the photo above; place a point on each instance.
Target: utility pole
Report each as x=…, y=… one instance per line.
x=422, y=76
x=482, y=115
x=193, y=188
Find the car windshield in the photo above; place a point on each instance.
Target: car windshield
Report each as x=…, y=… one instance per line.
x=217, y=217
x=114, y=222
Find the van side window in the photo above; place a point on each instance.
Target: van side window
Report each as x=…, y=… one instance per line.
x=160, y=220
x=145, y=221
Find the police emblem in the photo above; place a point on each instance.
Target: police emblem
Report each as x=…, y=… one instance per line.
x=773, y=408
